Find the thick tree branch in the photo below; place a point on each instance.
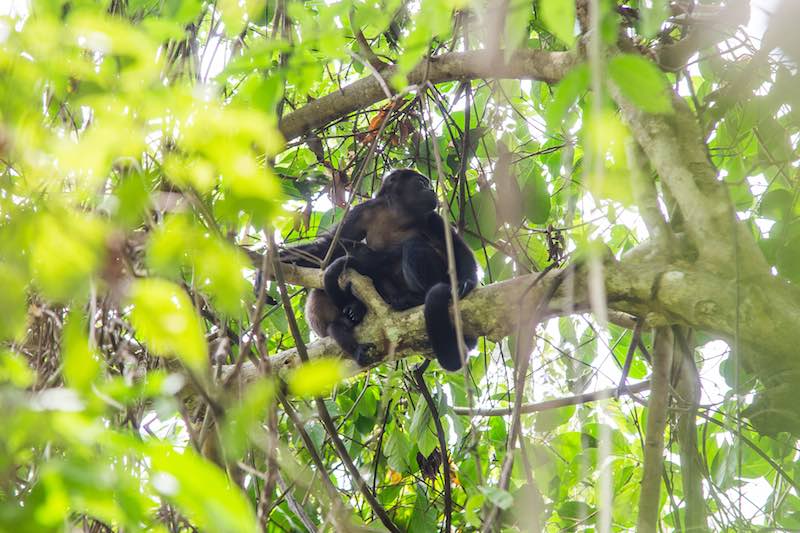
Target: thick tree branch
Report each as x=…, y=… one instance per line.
x=524, y=64
x=675, y=147
x=645, y=283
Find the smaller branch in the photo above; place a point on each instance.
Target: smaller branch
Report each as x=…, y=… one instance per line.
x=526, y=330
x=687, y=395
x=295, y=506
x=626, y=366
x=657, y=405
x=547, y=405
x=524, y=64
x=646, y=197
x=448, y=491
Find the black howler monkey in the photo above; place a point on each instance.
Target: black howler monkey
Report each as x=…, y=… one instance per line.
x=397, y=239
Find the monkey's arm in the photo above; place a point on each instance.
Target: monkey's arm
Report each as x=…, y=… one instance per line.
x=466, y=265
x=312, y=254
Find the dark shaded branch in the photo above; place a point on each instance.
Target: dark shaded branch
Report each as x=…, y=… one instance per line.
x=419, y=375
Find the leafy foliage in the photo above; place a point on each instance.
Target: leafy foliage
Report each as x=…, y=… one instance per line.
x=141, y=154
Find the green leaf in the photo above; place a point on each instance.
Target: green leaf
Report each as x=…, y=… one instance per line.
x=572, y=86
x=472, y=510
x=419, y=422
x=14, y=369
x=516, y=30
x=165, y=320
x=499, y=497
x=81, y=366
x=423, y=516
x=316, y=377
x=536, y=197
x=547, y=421
x=776, y=204
x=641, y=82
x=13, y=303
x=559, y=17
x=484, y=218
x=652, y=17
x=398, y=450
x=201, y=491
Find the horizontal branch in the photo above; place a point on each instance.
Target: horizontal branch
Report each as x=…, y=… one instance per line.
x=644, y=284
x=540, y=65
x=556, y=403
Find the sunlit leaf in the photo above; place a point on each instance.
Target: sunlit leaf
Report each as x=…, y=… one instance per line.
x=14, y=369
x=81, y=366
x=66, y=250
x=316, y=377
x=165, y=320
x=201, y=491
x=13, y=302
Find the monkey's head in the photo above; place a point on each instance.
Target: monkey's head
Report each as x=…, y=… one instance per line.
x=409, y=190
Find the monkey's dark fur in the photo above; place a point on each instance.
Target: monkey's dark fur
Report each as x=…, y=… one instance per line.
x=397, y=239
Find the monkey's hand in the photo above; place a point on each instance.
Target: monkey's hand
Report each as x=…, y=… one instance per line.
x=355, y=311
x=465, y=287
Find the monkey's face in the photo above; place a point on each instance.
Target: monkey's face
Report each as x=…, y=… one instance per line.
x=409, y=190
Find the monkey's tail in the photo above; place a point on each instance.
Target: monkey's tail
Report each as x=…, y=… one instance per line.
x=441, y=333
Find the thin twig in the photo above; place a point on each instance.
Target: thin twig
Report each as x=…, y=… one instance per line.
x=547, y=405
x=419, y=374
x=322, y=411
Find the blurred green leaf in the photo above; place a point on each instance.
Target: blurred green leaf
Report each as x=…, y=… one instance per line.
x=66, y=250
x=201, y=491
x=498, y=497
x=641, y=82
x=575, y=83
x=165, y=320
x=14, y=369
x=81, y=366
x=559, y=17
x=13, y=302
x=316, y=377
